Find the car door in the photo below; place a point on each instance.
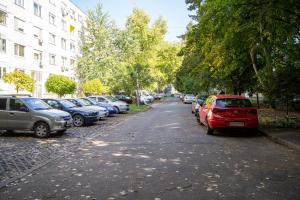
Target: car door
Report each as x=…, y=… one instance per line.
x=3, y=113
x=19, y=115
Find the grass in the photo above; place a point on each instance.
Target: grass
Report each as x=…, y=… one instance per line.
x=135, y=109
x=278, y=119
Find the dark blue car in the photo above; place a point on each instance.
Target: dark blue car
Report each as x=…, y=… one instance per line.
x=81, y=115
x=111, y=109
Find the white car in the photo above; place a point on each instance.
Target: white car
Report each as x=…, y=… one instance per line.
x=120, y=106
x=189, y=98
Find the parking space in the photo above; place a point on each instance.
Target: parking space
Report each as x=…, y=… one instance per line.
x=21, y=151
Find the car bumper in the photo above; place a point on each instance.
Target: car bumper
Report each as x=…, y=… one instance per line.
x=124, y=109
x=233, y=123
x=61, y=125
x=188, y=101
x=91, y=119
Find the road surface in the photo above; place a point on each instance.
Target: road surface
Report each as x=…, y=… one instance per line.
x=163, y=154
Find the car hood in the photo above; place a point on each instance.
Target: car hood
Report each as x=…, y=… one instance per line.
x=54, y=113
x=98, y=108
x=119, y=103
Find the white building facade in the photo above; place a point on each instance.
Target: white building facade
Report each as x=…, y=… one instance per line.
x=39, y=37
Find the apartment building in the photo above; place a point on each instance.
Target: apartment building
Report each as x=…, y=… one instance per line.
x=39, y=37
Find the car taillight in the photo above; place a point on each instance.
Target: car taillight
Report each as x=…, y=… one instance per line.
x=252, y=111
x=217, y=110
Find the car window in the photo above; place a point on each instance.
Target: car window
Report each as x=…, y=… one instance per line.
x=67, y=104
x=36, y=104
x=52, y=103
x=113, y=99
x=3, y=104
x=233, y=102
x=85, y=102
x=16, y=105
x=209, y=101
x=101, y=99
x=74, y=102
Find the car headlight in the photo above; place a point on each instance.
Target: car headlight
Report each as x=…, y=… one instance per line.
x=59, y=119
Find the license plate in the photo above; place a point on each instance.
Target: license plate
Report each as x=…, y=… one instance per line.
x=239, y=124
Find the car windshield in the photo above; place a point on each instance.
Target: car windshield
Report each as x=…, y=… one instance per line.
x=233, y=102
x=67, y=104
x=89, y=101
x=84, y=102
x=113, y=99
x=36, y=104
x=190, y=96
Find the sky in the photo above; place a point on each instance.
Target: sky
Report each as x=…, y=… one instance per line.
x=173, y=11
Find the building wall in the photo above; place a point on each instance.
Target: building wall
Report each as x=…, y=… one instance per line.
x=36, y=40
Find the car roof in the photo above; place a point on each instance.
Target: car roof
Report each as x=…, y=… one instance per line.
x=229, y=97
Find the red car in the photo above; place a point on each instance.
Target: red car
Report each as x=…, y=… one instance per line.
x=227, y=111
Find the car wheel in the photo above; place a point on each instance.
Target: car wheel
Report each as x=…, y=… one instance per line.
x=41, y=130
x=209, y=131
x=78, y=120
x=117, y=109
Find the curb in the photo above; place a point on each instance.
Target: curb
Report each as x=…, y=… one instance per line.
x=281, y=141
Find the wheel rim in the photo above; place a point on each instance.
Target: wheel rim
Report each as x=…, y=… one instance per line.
x=41, y=130
x=78, y=121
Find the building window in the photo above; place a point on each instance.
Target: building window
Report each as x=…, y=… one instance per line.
x=2, y=71
x=2, y=44
x=72, y=63
x=19, y=3
x=72, y=47
x=72, y=14
x=19, y=25
x=52, y=59
x=63, y=61
x=51, y=38
x=63, y=43
x=51, y=18
x=19, y=50
x=37, y=34
x=52, y=2
x=79, y=18
x=2, y=17
x=37, y=56
x=37, y=9
x=63, y=25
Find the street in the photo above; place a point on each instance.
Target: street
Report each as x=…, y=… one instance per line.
x=162, y=154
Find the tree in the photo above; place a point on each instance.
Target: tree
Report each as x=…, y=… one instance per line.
x=94, y=87
x=60, y=85
x=21, y=80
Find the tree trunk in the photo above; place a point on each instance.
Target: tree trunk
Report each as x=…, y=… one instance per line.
x=257, y=100
x=252, y=55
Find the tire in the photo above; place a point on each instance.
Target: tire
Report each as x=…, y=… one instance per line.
x=41, y=130
x=209, y=131
x=118, y=110
x=78, y=121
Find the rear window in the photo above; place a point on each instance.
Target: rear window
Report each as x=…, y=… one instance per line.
x=225, y=103
x=3, y=104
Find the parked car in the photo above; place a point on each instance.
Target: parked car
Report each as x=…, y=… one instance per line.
x=81, y=115
x=188, y=98
x=111, y=110
x=120, y=106
x=228, y=111
x=124, y=98
x=27, y=113
x=199, y=99
x=103, y=112
x=159, y=96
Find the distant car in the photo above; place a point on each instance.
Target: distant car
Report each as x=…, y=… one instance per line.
x=111, y=110
x=159, y=96
x=199, y=99
x=188, y=98
x=124, y=98
x=228, y=111
x=120, y=106
x=26, y=113
x=81, y=115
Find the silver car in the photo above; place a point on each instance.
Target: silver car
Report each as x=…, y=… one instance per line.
x=189, y=98
x=120, y=106
x=31, y=114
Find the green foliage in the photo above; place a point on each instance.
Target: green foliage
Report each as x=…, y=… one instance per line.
x=241, y=45
x=94, y=87
x=60, y=85
x=21, y=80
x=115, y=56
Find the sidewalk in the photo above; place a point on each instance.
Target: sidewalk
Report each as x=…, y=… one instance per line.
x=285, y=136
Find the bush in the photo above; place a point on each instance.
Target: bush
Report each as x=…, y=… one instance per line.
x=60, y=85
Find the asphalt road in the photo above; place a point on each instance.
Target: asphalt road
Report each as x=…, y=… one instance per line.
x=164, y=154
